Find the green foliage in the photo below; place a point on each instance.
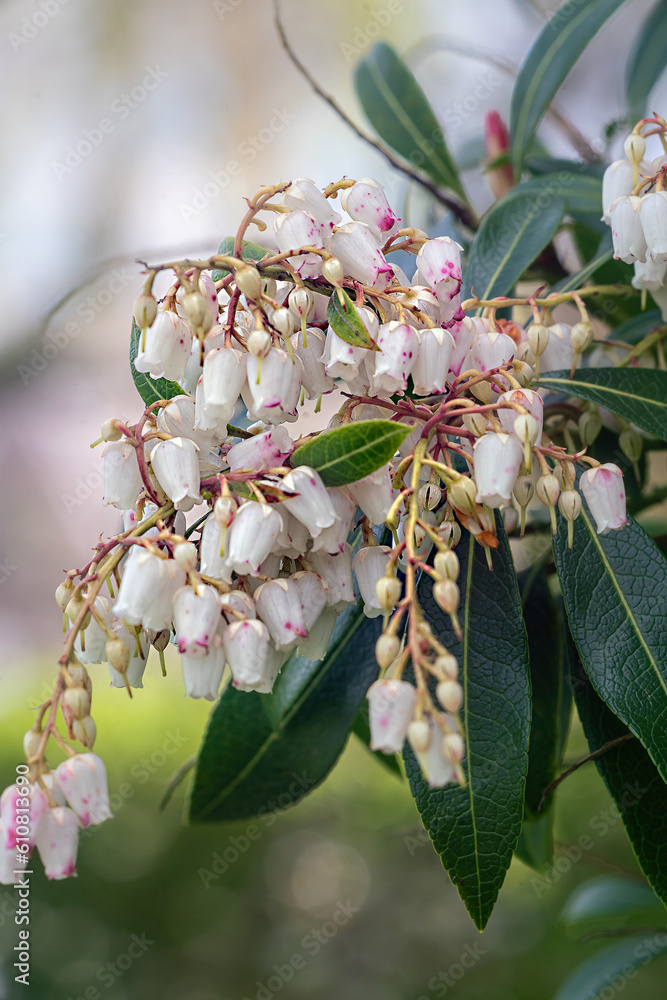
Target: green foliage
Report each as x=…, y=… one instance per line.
x=348, y=453
x=647, y=62
x=250, y=251
x=618, y=964
x=345, y=321
x=150, y=389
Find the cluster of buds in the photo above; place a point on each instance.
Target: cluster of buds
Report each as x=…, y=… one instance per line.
x=274, y=554
x=634, y=197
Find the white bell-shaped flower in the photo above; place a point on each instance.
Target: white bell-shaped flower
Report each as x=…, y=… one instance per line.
x=122, y=478
x=196, y=619
x=498, y=459
x=262, y=451
x=490, y=350
x=178, y=420
x=94, y=637
x=432, y=361
x=213, y=562
x=293, y=540
x=439, y=267
x=438, y=769
x=22, y=814
x=142, y=579
x=167, y=347
x=236, y=606
x=450, y=312
x=367, y=202
x=313, y=592
x=209, y=420
x=604, y=491
x=333, y=539
x=278, y=604
x=224, y=376
x=304, y=194
x=617, y=182
x=273, y=386
x=626, y=230
x=653, y=216
x=530, y=400
x=356, y=248
x=660, y=297
x=208, y=292
x=160, y=612
x=390, y=367
x=58, y=842
x=299, y=229
x=374, y=494
x=312, y=504
x=176, y=467
x=252, y=657
x=251, y=536
x=559, y=352
x=202, y=675
x=337, y=572
x=369, y=565
x=464, y=334
x=650, y=275
x=314, y=378
x=340, y=359
x=391, y=708
x=83, y=779
x=138, y=649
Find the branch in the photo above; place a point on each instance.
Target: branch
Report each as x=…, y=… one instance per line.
x=584, y=760
x=463, y=214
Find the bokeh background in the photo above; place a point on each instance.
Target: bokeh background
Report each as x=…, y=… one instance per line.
x=184, y=89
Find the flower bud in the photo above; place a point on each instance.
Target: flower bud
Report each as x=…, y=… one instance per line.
x=526, y=428
x=581, y=336
x=590, y=426
x=547, y=490
x=448, y=665
x=388, y=591
x=564, y=473
x=430, y=496
x=461, y=494
x=419, y=735
x=447, y=596
x=283, y=320
x=223, y=511
x=159, y=640
x=110, y=430
x=185, y=554
x=635, y=147
x=64, y=593
x=387, y=649
x=332, y=271
x=523, y=490
x=631, y=444
x=453, y=747
x=446, y=564
x=85, y=731
x=248, y=281
x=476, y=423
x=197, y=311
x=31, y=742
x=569, y=504
x=450, y=695
x=118, y=655
x=75, y=702
x=301, y=302
x=522, y=372
x=145, y=310
x=538, y=338
x=74, y=606
x=482, y=391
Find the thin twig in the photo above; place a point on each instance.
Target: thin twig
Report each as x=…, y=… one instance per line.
x=584, y=760
x=462, y=213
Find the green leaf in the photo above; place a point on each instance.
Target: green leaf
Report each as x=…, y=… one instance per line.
x=263, y=753
x=598, y=977
x=535, y=846
x=348, y=453
x=647, y=62
x=511, y=235
x=250, y=251
x=604, y=253
x=611, y=902
x=400, y=113
x=636, y=394
x=557, y=48
x=475, y=829
x=362, y=730
x=631, y=777
x=635, y=329
x=581, y=193
x=614, y=590
x=150, y=389
x=344, y=319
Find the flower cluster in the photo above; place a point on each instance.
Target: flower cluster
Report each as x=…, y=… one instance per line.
x=275, y=551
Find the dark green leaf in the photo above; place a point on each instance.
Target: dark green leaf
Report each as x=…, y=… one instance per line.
x=557, y=48
x=344, y=319
x=581, y=193
x=250, y=251
x=263, y=753
x=598, y=977
x=362, y=730
x=511, y=235
x=475, y=829
x=614, y=590
x=631, y=777
x=635, y=329
x=535, y=846
x=399, y=112
x=603, y=254
x=553, y=164
x=647, y=62
x=348, y=453
x=150, y=389
x=611, y=902
x=636, y=394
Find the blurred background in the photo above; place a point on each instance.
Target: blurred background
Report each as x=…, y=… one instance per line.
x=133, y=130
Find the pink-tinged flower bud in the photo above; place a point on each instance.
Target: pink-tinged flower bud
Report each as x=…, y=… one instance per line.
x=432, y=361
x=530, y=401
x=196, y=619
x=58, y=842
x=299, y=229
x=122, y=479
x=312, y=505
x=374, y=494
x=304, y=194
x=275, y=396
x=83, y=779
x=617, y=182
x=237, y=605
x=464, y=334
x=653, y=216
x=389, y=367
x=278, y=604
x=370, y=565
x=491, y=350
x=626, y=230
x=314, y=378
x=176, y=468
x=137, y=653
x=340, y=359
x=650, y=275
x=559, y=352
x=367, y=202
x=319, y=636
x=333, y=539
x=313, y=592
x=252, y=658
x=387, y=649
x=391, y=708
x=167, y=347
x=439, y=267
x=497, y=144
x=252, y=536
x=498, y=459
x=178, y=420
x=605, y=495
x=356, y=248
x=437, y=768
x=202, y=675
x=223, y=379
x=22, y=810
x=336, y=570
x=262, y=451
